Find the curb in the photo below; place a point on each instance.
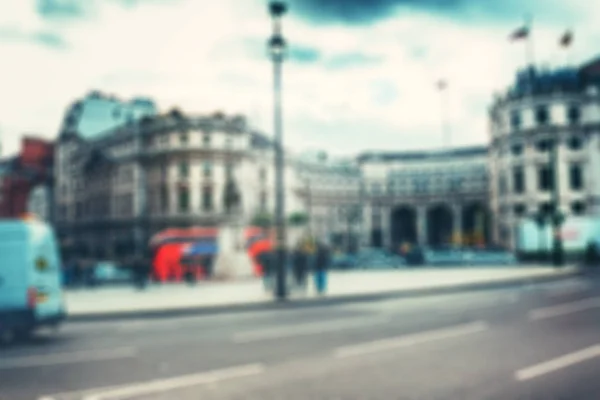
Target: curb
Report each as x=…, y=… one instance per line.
x=318, y=301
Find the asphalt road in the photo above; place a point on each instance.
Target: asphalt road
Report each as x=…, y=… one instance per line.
x=530, y=342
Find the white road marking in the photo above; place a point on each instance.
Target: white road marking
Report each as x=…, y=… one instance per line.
x=410, y=340
x=564, y=309
x=67, y=358
x=557, y=363
x=180, y=382
x=306, y=329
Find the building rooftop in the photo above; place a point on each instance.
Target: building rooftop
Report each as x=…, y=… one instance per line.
x=543, y=81
x=471, y=151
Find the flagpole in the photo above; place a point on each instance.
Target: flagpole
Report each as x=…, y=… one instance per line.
x=442, y=87
x=529, y=49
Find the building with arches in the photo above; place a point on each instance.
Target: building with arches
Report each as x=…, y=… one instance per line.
x=541, y=110
x=428, y=198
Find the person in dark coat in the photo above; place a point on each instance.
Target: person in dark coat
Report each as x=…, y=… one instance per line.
x=323, y=258
x=299, y=267
x=265, y=259
x=142, y=266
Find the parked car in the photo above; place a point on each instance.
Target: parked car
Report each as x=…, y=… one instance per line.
x=343, y=261
x=378, y=259
x=107, y=272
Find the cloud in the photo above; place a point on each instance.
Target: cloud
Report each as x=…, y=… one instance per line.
x=63, y=9
x=369, y=12
x=47, y=39
x=349, y=60
x=304, y=54
x=347, y=86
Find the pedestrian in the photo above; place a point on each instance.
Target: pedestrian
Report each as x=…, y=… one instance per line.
x=142, y=266
x=298, y=263
x=265, y=259
x=321, y=264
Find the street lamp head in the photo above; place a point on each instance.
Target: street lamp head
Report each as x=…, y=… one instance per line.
x=277, y=8
x=277, y=47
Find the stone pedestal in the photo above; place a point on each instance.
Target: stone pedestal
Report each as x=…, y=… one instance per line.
x=232, y=261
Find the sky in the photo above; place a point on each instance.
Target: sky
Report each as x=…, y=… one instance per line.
x=360, y=74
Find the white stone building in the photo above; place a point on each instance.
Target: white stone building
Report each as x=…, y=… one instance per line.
x=429, y=198
x=116, y=189
x=545, y=109
x=331, y=191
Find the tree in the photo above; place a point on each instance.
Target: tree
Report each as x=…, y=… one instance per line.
x=298, y=219
x=263, y=220
x=176, y=113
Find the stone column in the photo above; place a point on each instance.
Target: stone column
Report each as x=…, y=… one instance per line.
x=366, y=225
x=457, y=226
x=422, y=225
x=385, y=226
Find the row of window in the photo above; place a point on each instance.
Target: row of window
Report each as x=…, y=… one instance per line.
x=545, y=179
x=545, y=145
x=543, y=117
x=577, y=208
x=184, y=139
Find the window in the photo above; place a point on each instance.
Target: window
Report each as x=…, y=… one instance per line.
x=545, y=178
x=183, y=199
x=542, y=116
x=546, y=208
x=228, y=142
x=517, y=150
x=544, y=145
x=576, y=177
x=519, y=209
x=263, y=201
x=207, y=169
x=262, y=174
x=184, y=169
x=229, y=170
x=578, y=207
x=518, y=180
x=575, y=143
x=183, y=138
x=206, y=140
x=207, y=198
x=164, y=199
x=502, y=186
x=573, y=114
x=515, y=120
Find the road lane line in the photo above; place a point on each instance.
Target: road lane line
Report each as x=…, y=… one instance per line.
x=180, y=382
x=67, y=358
x=564, y=309
x=409, y=340
x=306, y=329
x=557, y=363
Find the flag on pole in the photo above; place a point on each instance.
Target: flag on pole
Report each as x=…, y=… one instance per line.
x=519, y=34
x=566, y=39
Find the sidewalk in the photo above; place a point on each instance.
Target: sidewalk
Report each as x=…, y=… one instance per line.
x=207, y=297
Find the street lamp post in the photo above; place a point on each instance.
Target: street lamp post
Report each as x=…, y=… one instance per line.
x=557, y=218
x=276, y=45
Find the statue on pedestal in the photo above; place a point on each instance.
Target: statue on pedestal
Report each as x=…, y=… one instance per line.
x=232, y=260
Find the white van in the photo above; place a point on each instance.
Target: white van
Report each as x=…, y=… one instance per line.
x=30, y=278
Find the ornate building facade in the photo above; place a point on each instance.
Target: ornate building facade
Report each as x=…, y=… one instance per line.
x=545, y=111
x=429, y=198
x=117, y=188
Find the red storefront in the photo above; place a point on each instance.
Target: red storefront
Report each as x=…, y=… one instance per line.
x=21, y=173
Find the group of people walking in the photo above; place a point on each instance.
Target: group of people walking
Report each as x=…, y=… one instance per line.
x=308, y=256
